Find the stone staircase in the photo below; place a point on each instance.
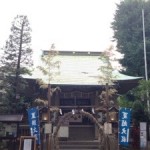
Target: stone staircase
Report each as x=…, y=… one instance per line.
x=79, y=145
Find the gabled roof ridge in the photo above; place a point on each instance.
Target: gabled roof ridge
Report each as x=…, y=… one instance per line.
x=81, y=53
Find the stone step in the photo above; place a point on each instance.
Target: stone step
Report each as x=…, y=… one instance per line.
x=79, y=149
x=79, y=145
x=78, y=142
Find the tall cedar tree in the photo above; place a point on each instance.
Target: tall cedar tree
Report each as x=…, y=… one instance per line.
x=128, y=33
x=17, y=58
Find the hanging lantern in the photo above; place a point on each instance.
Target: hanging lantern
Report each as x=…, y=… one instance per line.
x=44, y=116
x=113, y=116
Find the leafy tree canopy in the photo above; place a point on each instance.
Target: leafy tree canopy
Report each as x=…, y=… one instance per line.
x=16, y=60
x=50, y=66
x=108, y=63
x=123, y=101
x=50, y=69
x=138, y=112
x=128, y=33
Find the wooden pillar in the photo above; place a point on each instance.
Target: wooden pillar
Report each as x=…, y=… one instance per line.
x=49, y=120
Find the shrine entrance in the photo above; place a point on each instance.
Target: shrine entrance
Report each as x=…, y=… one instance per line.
x=77, y=135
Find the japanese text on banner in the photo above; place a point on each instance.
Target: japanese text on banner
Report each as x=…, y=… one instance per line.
x=33, y=117
x=124, y=126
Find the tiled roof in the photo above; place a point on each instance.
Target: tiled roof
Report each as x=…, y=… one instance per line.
x=79, y=69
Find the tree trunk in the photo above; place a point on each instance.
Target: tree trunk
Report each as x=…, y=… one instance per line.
x=18, y=64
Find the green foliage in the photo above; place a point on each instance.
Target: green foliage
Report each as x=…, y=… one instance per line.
x=108, y=61
x=105, y=70
x=139, y=107
x=123, y=101
x=143, y=88
x=50, y=69
x=142, y=92
x=128, y=33
x=50, y=66
x=138, y=112
x=137, y=100
x=15, y=62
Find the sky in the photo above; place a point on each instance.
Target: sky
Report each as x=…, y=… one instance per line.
x=76, y=25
